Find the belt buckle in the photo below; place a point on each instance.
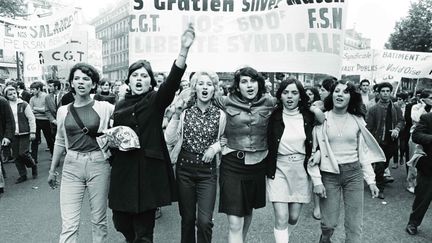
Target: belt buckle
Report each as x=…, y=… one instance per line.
x=240, y=154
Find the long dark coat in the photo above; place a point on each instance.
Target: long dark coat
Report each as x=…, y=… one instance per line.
x=143, y=179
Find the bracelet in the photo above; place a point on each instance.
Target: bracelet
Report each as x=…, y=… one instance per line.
x=182, y=55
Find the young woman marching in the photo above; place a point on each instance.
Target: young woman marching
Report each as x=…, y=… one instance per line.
x=85, y=167
x=194, y=135
x=347, y=152
x=143, y=179
x=290, y=147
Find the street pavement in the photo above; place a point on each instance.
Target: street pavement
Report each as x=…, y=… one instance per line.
x=30, y=212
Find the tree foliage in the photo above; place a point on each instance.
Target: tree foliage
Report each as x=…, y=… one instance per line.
x=414, y=33
x=11, y=8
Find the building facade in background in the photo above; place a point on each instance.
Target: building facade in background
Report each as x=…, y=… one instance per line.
x=112, y=27
x=355, y=41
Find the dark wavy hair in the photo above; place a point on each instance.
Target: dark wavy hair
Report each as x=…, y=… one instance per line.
x=139, y=64
x=303, y=103
x=252, y=73
x=87, y=69
x=315, y=92
x=56, y=83
x=355, y=102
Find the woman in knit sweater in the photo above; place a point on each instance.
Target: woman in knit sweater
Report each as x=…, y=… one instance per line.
x=290, y=147
x=347, y=151
x=85, y=167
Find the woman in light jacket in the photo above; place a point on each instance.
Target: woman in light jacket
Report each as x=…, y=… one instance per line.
x=347, y=151
x=194, y=135
x=85, y=167
x=25, y=130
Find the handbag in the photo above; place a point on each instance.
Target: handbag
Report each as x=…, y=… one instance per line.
x=77, y=119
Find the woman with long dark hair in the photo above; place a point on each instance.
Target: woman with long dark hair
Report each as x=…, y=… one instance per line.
x=242, y=170
x=243, y=167
x=347, y=153
x=143, y=179
x=290, y=148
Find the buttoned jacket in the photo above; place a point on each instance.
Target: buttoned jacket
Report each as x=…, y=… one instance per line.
x=246, y=127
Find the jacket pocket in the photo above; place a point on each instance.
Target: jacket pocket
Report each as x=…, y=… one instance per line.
x=263, y=117
x=232, y=117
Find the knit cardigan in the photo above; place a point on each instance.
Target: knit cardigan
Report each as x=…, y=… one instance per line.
x=102, y=108
x=369, y=152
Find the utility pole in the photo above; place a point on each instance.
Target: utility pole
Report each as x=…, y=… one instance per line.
x=18, y=65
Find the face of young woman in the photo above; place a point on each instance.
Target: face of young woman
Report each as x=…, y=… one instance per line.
x=204, y=89
x=105, y=87
x=323, y=93
x=341, y=96
x=311, y=95
x=82, y=83
x=248, y=87
x=12, y=95
x=290, y=97
x=139, y=81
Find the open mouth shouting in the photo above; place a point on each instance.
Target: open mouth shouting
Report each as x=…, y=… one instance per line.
x=339, y=100
x=138, y=86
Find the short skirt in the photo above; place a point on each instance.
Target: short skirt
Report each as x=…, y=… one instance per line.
x=242, y=187
x=291, y=183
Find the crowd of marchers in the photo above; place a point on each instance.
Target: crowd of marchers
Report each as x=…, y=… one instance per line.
x=289, y=147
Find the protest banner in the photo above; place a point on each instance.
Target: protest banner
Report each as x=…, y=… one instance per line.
x=269, y=35
x=387, y=65
x=32, y=65
x=81, y=47
x=43, y=34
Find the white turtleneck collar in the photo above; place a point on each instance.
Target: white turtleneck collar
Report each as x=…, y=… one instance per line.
x=292, y=112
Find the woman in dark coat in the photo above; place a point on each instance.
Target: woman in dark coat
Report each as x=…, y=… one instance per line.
x=143, y=179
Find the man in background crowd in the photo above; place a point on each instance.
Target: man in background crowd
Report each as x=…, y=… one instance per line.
x=37, y=104
x=52, y=103
x=385, y=121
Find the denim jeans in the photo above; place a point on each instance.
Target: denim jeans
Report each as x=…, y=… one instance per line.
x=349, y=185
x=196, y=186
x=83, y=171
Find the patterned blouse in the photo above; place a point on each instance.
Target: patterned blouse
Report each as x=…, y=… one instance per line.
x=200, y=129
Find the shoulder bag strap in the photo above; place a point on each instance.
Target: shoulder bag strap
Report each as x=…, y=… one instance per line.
x=77, y=119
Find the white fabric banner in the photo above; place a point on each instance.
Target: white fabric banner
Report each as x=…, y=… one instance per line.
x=32, y=65
x=45, y=33
x=387, y=65
x=269, y=35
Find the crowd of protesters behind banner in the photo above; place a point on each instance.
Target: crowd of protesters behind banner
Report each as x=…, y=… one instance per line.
x=295, y=144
